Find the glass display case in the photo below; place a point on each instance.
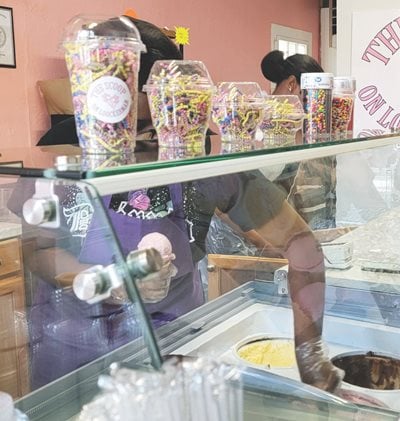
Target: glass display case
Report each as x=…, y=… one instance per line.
x=283, y=262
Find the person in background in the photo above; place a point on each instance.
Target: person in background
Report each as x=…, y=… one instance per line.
x=286, y=73
x=310, y=185
x=67, y=333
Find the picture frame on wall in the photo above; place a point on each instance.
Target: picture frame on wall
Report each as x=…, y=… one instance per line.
x=7, y=41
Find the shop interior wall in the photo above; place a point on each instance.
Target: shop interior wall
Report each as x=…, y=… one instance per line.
x=229, y=36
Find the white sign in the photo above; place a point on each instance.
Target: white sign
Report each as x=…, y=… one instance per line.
x=109, y=99
x=376, y=67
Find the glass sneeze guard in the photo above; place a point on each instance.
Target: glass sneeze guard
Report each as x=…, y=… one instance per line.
x=73, y=289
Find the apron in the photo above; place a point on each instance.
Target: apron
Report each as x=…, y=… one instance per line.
x=67, y=333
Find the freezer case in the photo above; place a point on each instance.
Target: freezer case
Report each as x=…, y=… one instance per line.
x=257, y=312
x=217, y=329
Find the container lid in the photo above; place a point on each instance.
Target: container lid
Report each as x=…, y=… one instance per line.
x=239, y=92
x=354, y=83
x=85, y=28
x=178, y=73
x=316, y=81
x=345, y=84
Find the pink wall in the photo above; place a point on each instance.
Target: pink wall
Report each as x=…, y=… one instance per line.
x=228, y=36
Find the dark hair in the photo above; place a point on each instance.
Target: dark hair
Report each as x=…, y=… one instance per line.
x=276, y=69
x=158, y=45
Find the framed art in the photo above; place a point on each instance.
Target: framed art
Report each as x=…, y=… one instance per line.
x=7, y=43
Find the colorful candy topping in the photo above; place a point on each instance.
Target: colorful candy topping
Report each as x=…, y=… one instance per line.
x=179, y=95
x=317, y=103
x=283, y=118
x=238, y=109
x=342, y=108
x=103, y=76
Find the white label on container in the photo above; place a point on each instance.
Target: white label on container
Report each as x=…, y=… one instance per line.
x=316, y=81
x=109, y=99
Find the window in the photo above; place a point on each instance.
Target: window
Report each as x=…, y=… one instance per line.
x=290, y=41
x=291, y=47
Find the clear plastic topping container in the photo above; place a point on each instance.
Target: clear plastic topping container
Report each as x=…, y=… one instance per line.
x=178, y=72
x=316, y=89
x=103, y=57
x=283, y=118
x=179, y=94
x=342, y=107
x=238, y=109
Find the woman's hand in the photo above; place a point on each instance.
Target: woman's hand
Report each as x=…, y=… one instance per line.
x=315, y=366
x=154, y=287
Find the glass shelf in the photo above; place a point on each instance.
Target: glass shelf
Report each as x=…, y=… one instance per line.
x=146, y=166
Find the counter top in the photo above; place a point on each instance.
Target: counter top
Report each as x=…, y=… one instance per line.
x=9, y=230
x=357, y=278
x=378, y=240
x=376, y=243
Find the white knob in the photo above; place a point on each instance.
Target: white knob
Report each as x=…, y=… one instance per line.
x=38, y=211
x=143, y=262
x=88, y=284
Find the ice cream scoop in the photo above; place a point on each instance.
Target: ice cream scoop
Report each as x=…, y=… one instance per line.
x=159, y=242
x=155, y=287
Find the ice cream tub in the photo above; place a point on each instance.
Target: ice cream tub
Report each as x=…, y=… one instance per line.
x=266, y=352
x=374, y=374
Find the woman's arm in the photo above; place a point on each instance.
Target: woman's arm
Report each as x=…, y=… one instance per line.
x=265, y=248
x=287, y=231
x=52, y=263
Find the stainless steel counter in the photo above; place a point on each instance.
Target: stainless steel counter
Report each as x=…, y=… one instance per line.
x=376, y=242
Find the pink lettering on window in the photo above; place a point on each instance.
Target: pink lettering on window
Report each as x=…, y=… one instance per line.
x=388, y=38
x=382, y=121
x=370, y=51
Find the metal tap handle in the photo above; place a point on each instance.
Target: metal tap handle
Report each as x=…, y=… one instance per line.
x=39, y=211
x=97, y=283
x=281, y=279
x=92, y=285
x=143, y=262
x=42, y=208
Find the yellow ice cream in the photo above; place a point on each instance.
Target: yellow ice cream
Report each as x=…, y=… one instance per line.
x=273, y=353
